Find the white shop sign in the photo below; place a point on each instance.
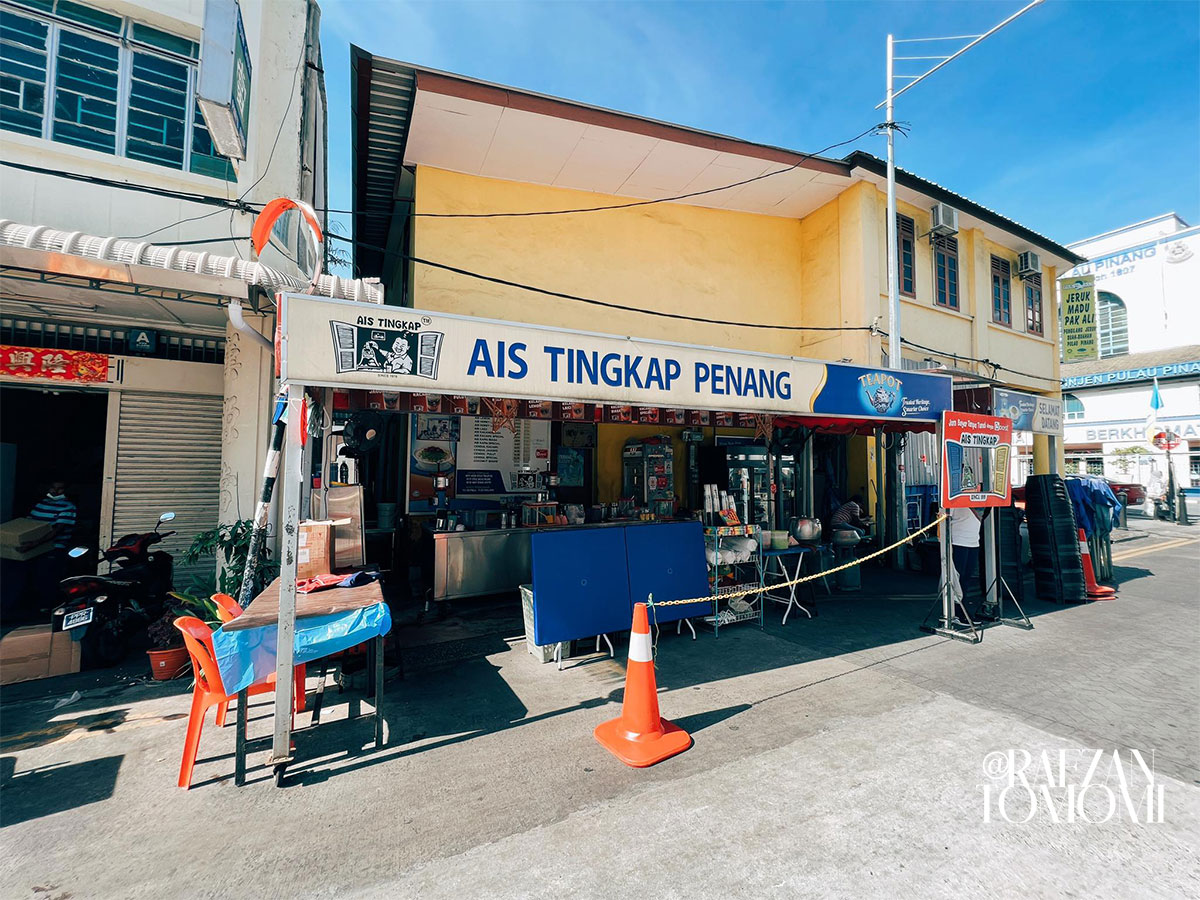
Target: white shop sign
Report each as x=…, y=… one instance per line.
x=352, y=345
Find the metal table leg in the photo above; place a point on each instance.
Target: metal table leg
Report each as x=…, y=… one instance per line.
x=377, y=669
x=239, y=765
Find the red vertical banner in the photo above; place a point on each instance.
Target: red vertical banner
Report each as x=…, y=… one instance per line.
x=976, y=459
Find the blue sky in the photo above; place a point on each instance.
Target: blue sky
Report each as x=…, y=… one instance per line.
x=1075, y=119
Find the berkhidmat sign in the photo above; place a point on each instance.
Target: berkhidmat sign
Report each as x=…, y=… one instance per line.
x=345, y=344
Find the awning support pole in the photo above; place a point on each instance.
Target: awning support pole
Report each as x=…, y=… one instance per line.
x=284, y=695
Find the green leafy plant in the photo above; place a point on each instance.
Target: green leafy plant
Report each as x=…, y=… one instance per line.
x=230, y=544
x=1123, y=455
x=162, y=631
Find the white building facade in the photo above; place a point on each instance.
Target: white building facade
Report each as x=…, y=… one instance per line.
x=1148, y=309
x=101, y=135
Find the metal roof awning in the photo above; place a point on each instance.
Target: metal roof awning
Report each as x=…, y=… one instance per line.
x=112, y=281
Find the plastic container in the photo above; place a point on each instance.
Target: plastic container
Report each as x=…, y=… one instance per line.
x=779, y=540
x=387, y=514
x=542, y=653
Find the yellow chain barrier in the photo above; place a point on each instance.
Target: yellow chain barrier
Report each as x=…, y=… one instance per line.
x=746, y=592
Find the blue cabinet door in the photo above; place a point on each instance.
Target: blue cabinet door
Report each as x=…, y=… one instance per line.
x=668, y=561
x=580, y=584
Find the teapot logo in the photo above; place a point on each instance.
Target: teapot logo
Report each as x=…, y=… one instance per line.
x=882, y=393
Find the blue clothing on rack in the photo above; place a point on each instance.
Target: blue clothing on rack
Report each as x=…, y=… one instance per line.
x=1096, y=506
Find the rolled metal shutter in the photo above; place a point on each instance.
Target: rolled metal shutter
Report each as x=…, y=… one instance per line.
x=169, y=459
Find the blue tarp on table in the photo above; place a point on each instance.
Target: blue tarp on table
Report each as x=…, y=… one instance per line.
x=247, y=656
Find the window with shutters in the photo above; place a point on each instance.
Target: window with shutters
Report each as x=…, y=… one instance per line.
x=906, y=254
x=945, y=261
x=1001, y=291
x=1033, y=304
x=1112, y=323
x=81, y=76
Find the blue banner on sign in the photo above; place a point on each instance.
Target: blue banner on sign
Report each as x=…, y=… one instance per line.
x=883, y=394
x=1016, y=406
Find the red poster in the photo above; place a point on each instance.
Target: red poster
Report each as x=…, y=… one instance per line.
x=60, y=365
x=976, y=454
x=647, y=415
x=698, y=416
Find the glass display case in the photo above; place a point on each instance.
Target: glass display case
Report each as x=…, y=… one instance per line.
x=751, y=471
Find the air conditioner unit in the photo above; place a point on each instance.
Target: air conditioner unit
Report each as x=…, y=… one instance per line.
x=1028, y=263
x=943, y=220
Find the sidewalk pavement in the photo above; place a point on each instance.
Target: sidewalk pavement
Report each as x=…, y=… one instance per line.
x=836, y=756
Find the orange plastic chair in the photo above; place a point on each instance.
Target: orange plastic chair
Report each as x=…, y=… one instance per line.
x=209, y=690
x=229, y=609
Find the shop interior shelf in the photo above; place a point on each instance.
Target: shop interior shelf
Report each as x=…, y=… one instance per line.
x=732, y=617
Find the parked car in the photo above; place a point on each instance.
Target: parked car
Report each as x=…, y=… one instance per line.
x=1136, y=493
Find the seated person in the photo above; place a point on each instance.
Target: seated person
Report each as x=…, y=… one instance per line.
x=850, y=516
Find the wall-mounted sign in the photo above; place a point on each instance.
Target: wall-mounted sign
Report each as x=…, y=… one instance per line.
x=1077, y=318
x=1029, y=412
x=223, y=89
x=141, y=340
x=57, y=365
x=976, y=455
x=343, y=344
x=1122, y=376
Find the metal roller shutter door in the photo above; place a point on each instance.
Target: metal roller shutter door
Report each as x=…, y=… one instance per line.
x=169, y=458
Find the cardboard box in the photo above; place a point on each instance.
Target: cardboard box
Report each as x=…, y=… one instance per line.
x=314, y=554
x=17, y=533
x=36, y=652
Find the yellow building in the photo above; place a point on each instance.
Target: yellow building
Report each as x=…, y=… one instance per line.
x=643, y=222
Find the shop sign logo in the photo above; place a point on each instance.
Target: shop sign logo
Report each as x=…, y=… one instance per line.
x=882, y=392
x=408, y=349
x=1178, y=252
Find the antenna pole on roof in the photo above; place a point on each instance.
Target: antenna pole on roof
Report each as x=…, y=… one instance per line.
x=894, y=341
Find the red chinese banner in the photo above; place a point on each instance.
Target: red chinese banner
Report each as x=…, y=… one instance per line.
x=60, y=365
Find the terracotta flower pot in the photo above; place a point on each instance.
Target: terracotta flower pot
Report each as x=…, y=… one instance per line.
x=168, y=664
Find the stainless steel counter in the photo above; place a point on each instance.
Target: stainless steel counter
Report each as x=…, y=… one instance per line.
x=474, y=563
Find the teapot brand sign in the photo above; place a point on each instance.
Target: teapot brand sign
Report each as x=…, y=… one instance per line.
x=354, y=345
x=976, y=454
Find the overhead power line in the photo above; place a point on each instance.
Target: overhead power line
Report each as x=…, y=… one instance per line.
x=249, y=207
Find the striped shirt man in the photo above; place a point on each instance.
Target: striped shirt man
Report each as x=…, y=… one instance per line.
x=847, y=514
x=56, y=509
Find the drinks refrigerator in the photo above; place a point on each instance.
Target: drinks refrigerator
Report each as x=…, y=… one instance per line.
x=648, y=474
x=748, y=472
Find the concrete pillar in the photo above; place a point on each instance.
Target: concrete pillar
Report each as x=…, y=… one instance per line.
x=245, y=423
x=1048, y=455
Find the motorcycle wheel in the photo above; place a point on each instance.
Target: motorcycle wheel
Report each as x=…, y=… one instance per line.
x=103, y=647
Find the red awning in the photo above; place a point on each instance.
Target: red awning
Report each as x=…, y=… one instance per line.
x=851, y=426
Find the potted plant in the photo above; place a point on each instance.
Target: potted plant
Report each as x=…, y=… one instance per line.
x=168, y=656
x=230, y=544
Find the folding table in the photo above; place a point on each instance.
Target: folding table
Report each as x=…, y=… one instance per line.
x=775, y=563
x=327, y=622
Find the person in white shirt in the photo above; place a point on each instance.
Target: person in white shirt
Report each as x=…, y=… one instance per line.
x=965, y=529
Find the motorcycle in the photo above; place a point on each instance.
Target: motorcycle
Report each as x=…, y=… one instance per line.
x=104, y=611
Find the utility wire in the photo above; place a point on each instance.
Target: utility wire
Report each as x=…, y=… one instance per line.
x=241, y=203
x=874, y=129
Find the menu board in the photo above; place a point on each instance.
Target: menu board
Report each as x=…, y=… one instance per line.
x=491, y=451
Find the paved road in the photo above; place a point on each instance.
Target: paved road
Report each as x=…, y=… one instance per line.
x=841, y=756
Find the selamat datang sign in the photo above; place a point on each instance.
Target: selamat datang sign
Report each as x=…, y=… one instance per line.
x=355, y=345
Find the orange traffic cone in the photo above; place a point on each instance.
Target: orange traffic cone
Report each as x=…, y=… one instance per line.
x=640, y=737
x=1094, y=590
